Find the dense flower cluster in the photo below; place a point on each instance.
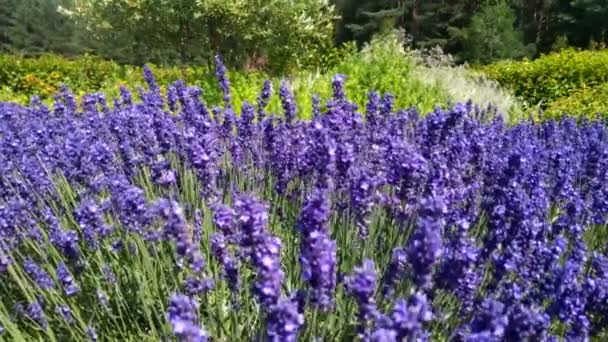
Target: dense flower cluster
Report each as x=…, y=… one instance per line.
x=378, y=224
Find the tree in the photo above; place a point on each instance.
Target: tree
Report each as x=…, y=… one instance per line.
x=362, y=19
x=38, y=26
x=6, y=17
x=492, y=35
x=581, y=21
x=429, y=22
x=534, y=19
x=283, y=33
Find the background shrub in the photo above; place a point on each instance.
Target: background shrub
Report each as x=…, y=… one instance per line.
x=552, y=76
x=585, y=102
x=383, y=66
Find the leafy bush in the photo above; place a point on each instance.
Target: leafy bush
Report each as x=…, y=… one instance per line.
x=586, y=102
x=552, y=76
x=382, y=66
x=42, y=75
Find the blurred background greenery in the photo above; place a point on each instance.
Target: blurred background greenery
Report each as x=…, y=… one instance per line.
x=519, y=55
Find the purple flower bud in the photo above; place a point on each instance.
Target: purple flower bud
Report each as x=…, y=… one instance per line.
x=229, y=263
x=288, y=102
x=91, y=333
x=103, y=299
x=263, y=99
x=317, y=250
x=261, y=248
x=284, y=321
x=66, y=313
x=222, y=77
x=183, y=317
x=338, y=87
x=67, y=280
x=196, y=286
x=425, y=246
x=39, y=275
x=361, y=285
x=35, y=312
x=108, y=275
x=409, y=317
x=395, y=271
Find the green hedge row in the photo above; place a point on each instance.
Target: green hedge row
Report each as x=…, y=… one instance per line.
x=551, y=77
x=381, y=67
x=21, y=77
x=585, y=102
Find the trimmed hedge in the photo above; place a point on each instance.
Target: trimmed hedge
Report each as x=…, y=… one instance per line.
x=552, y=76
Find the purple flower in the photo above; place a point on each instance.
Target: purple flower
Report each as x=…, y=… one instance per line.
x=263, y=249
x=130, y=204
x=224, y=220
x=263, y=99
x=108, y=275
x=177, y=229
x=252, y=217
x=317, y=250
x=318, y=264
x=361, y=285
x=67, y=280
x=284, y=321
x=197, y=235
x=91, y=223
x=5, y=262
x=126, y=96
x=489, y=322
x=182, y=314
x=39, y=275
x=458, y=271
x=395, y=271
x=363, y=197
x=316, y=106
x=229, y=263
x=269, y=280
x=67, y=242
x=35, y=312
x=288, y=102
x=383, y=335
x=338, y=87
x=372, y=108
x=222, y=76
x=425, y=246
x=91, y=333
x=409, y=317
x=196, y=285
x=526, y=324
x=66, y=313
x=172, y=98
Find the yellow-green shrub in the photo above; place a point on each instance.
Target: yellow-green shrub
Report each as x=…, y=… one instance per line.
x=586, y=102
x=552, y=76
x=383, y=66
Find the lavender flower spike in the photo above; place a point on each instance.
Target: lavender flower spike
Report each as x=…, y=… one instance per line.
x=361, y=285
x=182, y=315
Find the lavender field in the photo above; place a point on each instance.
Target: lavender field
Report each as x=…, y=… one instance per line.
x=159, y=217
